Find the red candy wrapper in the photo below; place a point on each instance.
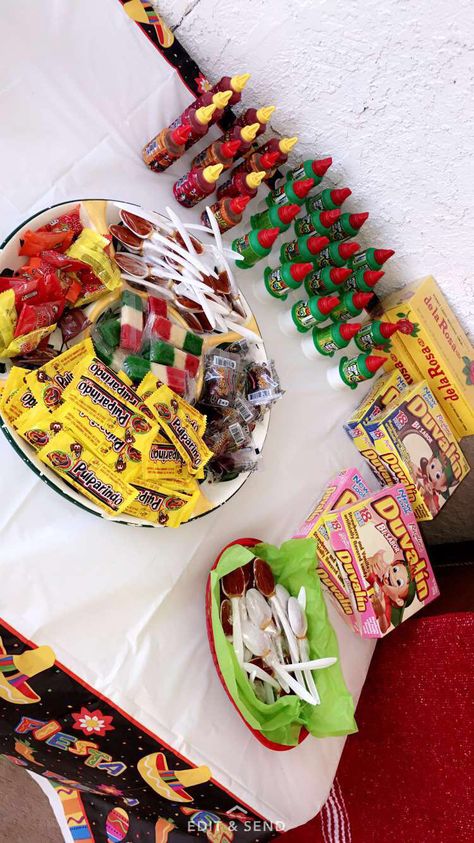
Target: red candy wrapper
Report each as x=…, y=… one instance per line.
x=34, y=290
x=33, y=316
x=57, y=234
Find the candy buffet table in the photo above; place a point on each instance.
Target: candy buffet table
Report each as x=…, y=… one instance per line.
x=123, y=609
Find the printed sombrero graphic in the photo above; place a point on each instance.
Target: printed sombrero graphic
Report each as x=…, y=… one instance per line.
x=142, y=11
x=170, y=783
x=15, y=671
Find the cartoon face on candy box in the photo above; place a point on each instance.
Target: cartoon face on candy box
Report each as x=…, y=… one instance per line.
x=379, y=548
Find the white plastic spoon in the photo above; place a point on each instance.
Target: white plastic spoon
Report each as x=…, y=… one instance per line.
x=313, y=664
x=299, y=625
x=259, y=644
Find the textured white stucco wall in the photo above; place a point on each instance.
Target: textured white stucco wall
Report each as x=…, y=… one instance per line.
x=386, y=87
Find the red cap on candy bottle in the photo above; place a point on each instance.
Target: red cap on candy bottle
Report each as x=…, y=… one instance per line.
x=267, y=236
x=181, y=133
x=371, y=277
x=321, y=166
x=302, y=187
x=382, y=255
x=315, y=244
x=348, y=330
x=268, y=160
x=361, y=300
x=288, y=212
x=230, y=148
x=339, y=274
x=373, y=363
x=299, y=271
x=239, y=204
x=357, y=220
x=346, y=250
x=387, y=329
x=327, y=303
x=340, y=194
x=328, y=218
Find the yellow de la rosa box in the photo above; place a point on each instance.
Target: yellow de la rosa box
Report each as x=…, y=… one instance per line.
x=438, y=348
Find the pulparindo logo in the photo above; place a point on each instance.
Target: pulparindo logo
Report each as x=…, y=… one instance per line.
x=88, y=480
x=186, y=441
x=160, y=452
x=119, y=411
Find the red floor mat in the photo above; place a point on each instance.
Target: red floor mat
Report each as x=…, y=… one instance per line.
x=407, y=775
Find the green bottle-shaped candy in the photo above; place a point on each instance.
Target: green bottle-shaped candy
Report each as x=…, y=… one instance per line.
x=363, y=280
x=275, y=217
x=286, y=277
x=370, y=259
x=375, y=334
x=334, y=254
x=290, y=193
x=329, y=279
x=328, y=339
x=310, y=170
x=254, y=246
x=351, y=304
x=327, y=199
x=353, y=370
x=303, y=248
x=319, y=222
x=304, y=314
x=347, y=226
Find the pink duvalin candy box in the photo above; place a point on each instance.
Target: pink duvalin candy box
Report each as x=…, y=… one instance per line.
x=379, y=546
x=344, y=489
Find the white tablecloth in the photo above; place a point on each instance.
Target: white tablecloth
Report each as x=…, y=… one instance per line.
x=81, y=91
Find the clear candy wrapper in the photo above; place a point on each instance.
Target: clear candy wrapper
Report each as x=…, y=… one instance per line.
x=221, y=374
x=229, y=466
x=262, y=385
x=227, y=433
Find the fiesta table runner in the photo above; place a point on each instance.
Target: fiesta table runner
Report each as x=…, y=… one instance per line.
x=108, y=690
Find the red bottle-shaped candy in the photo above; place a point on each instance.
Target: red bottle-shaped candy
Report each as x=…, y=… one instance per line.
x=256, y=115
x=219, y=100
x=217, y=153
x=236, y=84
x=257, y=162
x=196, y=185
x=228, y=212
x=283, y=146
x=166, y=148
x=242, y=184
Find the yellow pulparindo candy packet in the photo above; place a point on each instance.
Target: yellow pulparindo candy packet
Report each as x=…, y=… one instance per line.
x=161, y=505
x=124, y=449
x=87, y=473
x=27, y=343
x=92, y=368
x=151, y=383
x=17, y=397
x=7, y=319
x=179, y=422
x=38, y=426
x=49, y=381
x=89, y=247
x=163, y=461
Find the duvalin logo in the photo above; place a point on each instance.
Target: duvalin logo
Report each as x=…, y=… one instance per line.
x=389, y=510
x=360, y=593
x=417, y=406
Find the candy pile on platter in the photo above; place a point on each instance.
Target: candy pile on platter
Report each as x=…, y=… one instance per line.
x=68, y=266
x=140, y=453
x=237, y=392
x=159, y=253
x=77, y=402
